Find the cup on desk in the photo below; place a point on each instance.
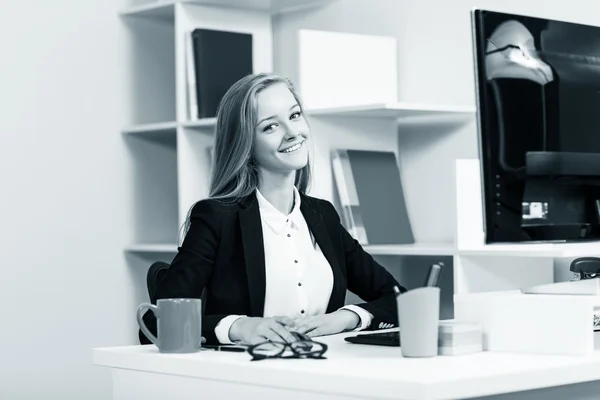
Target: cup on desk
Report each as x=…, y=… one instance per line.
x=178, y=324
x=418, y=318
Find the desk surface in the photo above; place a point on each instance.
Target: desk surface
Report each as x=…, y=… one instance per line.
x=369, y=371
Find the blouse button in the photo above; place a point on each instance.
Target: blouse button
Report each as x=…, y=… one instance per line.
x=289, y=235
x=296, y=261
x=302, y=311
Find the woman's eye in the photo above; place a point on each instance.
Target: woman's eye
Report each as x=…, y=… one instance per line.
x=295, y=115
x=269, y=128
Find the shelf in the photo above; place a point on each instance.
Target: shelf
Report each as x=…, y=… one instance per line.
x=420, y=249
x=271, y=6
x=152, y=248
x=165, y=9
x=168, y=128
x=394, y=110
x=200, y=123
x=417, y=249
x=159, y=10
x=549, y=250
x=155, y=129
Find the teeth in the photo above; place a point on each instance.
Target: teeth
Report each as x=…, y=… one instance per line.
x=293, y=148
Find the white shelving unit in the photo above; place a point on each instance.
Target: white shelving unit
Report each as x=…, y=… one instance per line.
x=169, y=152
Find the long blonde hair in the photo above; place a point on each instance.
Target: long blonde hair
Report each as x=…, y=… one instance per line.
x=234, y=173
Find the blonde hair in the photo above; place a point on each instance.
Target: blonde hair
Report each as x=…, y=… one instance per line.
x=234, y=173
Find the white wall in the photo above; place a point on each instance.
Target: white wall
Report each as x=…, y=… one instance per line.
x=65, y=286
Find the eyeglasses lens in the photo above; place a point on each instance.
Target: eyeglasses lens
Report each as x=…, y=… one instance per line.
x=268, y=349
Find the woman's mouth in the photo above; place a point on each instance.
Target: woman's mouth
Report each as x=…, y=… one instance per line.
x=293, y=148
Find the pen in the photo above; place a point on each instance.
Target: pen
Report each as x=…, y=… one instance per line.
x=224, y=348
x=433, y=276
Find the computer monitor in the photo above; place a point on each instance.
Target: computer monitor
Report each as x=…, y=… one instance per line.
x=538, y=101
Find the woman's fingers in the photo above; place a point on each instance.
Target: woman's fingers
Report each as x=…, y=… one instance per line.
x=306, y=326
x=272, y=336
x=287, y=321
x=314, y=332
x=284, y=334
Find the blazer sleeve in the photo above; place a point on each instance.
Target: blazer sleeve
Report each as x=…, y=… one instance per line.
x=368, y=279
x=192, y=266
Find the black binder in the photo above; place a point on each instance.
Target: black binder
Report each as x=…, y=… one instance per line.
x=221, y=58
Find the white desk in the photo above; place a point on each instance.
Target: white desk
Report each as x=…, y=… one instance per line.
x=351, y=372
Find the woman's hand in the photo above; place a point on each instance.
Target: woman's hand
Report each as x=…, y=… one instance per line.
x=252, y=330
x=327, y=324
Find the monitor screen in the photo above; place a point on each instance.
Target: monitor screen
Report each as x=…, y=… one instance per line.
x=538, y=101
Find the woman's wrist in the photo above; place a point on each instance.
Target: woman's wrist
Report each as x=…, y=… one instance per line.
x=236, y=328
x=352, y=319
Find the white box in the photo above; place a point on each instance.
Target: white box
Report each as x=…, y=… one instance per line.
x=346, y=69
x=532, y=323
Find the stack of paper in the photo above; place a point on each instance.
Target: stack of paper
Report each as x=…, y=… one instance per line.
x=457, y=338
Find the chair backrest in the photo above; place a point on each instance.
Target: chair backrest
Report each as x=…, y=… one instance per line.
x=155, y=274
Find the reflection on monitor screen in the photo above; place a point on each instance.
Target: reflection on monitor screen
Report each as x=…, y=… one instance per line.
x=538, y=98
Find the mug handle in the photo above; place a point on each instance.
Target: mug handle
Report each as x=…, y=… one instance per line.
x=140, y=313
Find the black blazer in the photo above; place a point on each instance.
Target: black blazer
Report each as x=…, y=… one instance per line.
x=223, y=253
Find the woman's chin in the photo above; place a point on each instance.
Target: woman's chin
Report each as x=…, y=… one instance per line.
x=295, y=166
x=294, y=162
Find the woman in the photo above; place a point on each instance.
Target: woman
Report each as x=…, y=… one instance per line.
x=271, y=259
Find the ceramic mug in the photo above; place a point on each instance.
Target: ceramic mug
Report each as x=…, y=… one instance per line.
x=178, y=324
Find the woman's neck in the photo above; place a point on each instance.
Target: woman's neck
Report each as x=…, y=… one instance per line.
x=278, y=190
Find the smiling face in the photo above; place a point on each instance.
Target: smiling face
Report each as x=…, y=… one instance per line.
x=281, y=133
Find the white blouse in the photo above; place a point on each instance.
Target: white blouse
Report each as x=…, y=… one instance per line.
x=299, y=279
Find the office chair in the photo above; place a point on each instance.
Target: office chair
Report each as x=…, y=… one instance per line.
x=155, y=273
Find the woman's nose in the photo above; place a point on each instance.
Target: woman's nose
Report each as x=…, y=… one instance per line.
x=291, y=132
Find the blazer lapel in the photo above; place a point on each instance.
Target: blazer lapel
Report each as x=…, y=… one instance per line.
x=254, y=255
x=317, y=226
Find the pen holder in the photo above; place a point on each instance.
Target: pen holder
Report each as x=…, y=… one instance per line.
x=418, y=318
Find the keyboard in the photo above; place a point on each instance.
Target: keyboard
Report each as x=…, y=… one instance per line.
x=377, y=338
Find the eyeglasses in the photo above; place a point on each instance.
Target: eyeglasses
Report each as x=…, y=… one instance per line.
x=299, y=349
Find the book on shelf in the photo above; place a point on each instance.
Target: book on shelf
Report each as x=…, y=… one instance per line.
x=215, y=60
x=369, y=187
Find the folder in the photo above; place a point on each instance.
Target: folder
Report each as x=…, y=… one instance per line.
x=370, y=190
x=220, y=59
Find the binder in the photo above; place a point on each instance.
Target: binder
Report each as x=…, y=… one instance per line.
x=370, y=190
x=220, y=59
